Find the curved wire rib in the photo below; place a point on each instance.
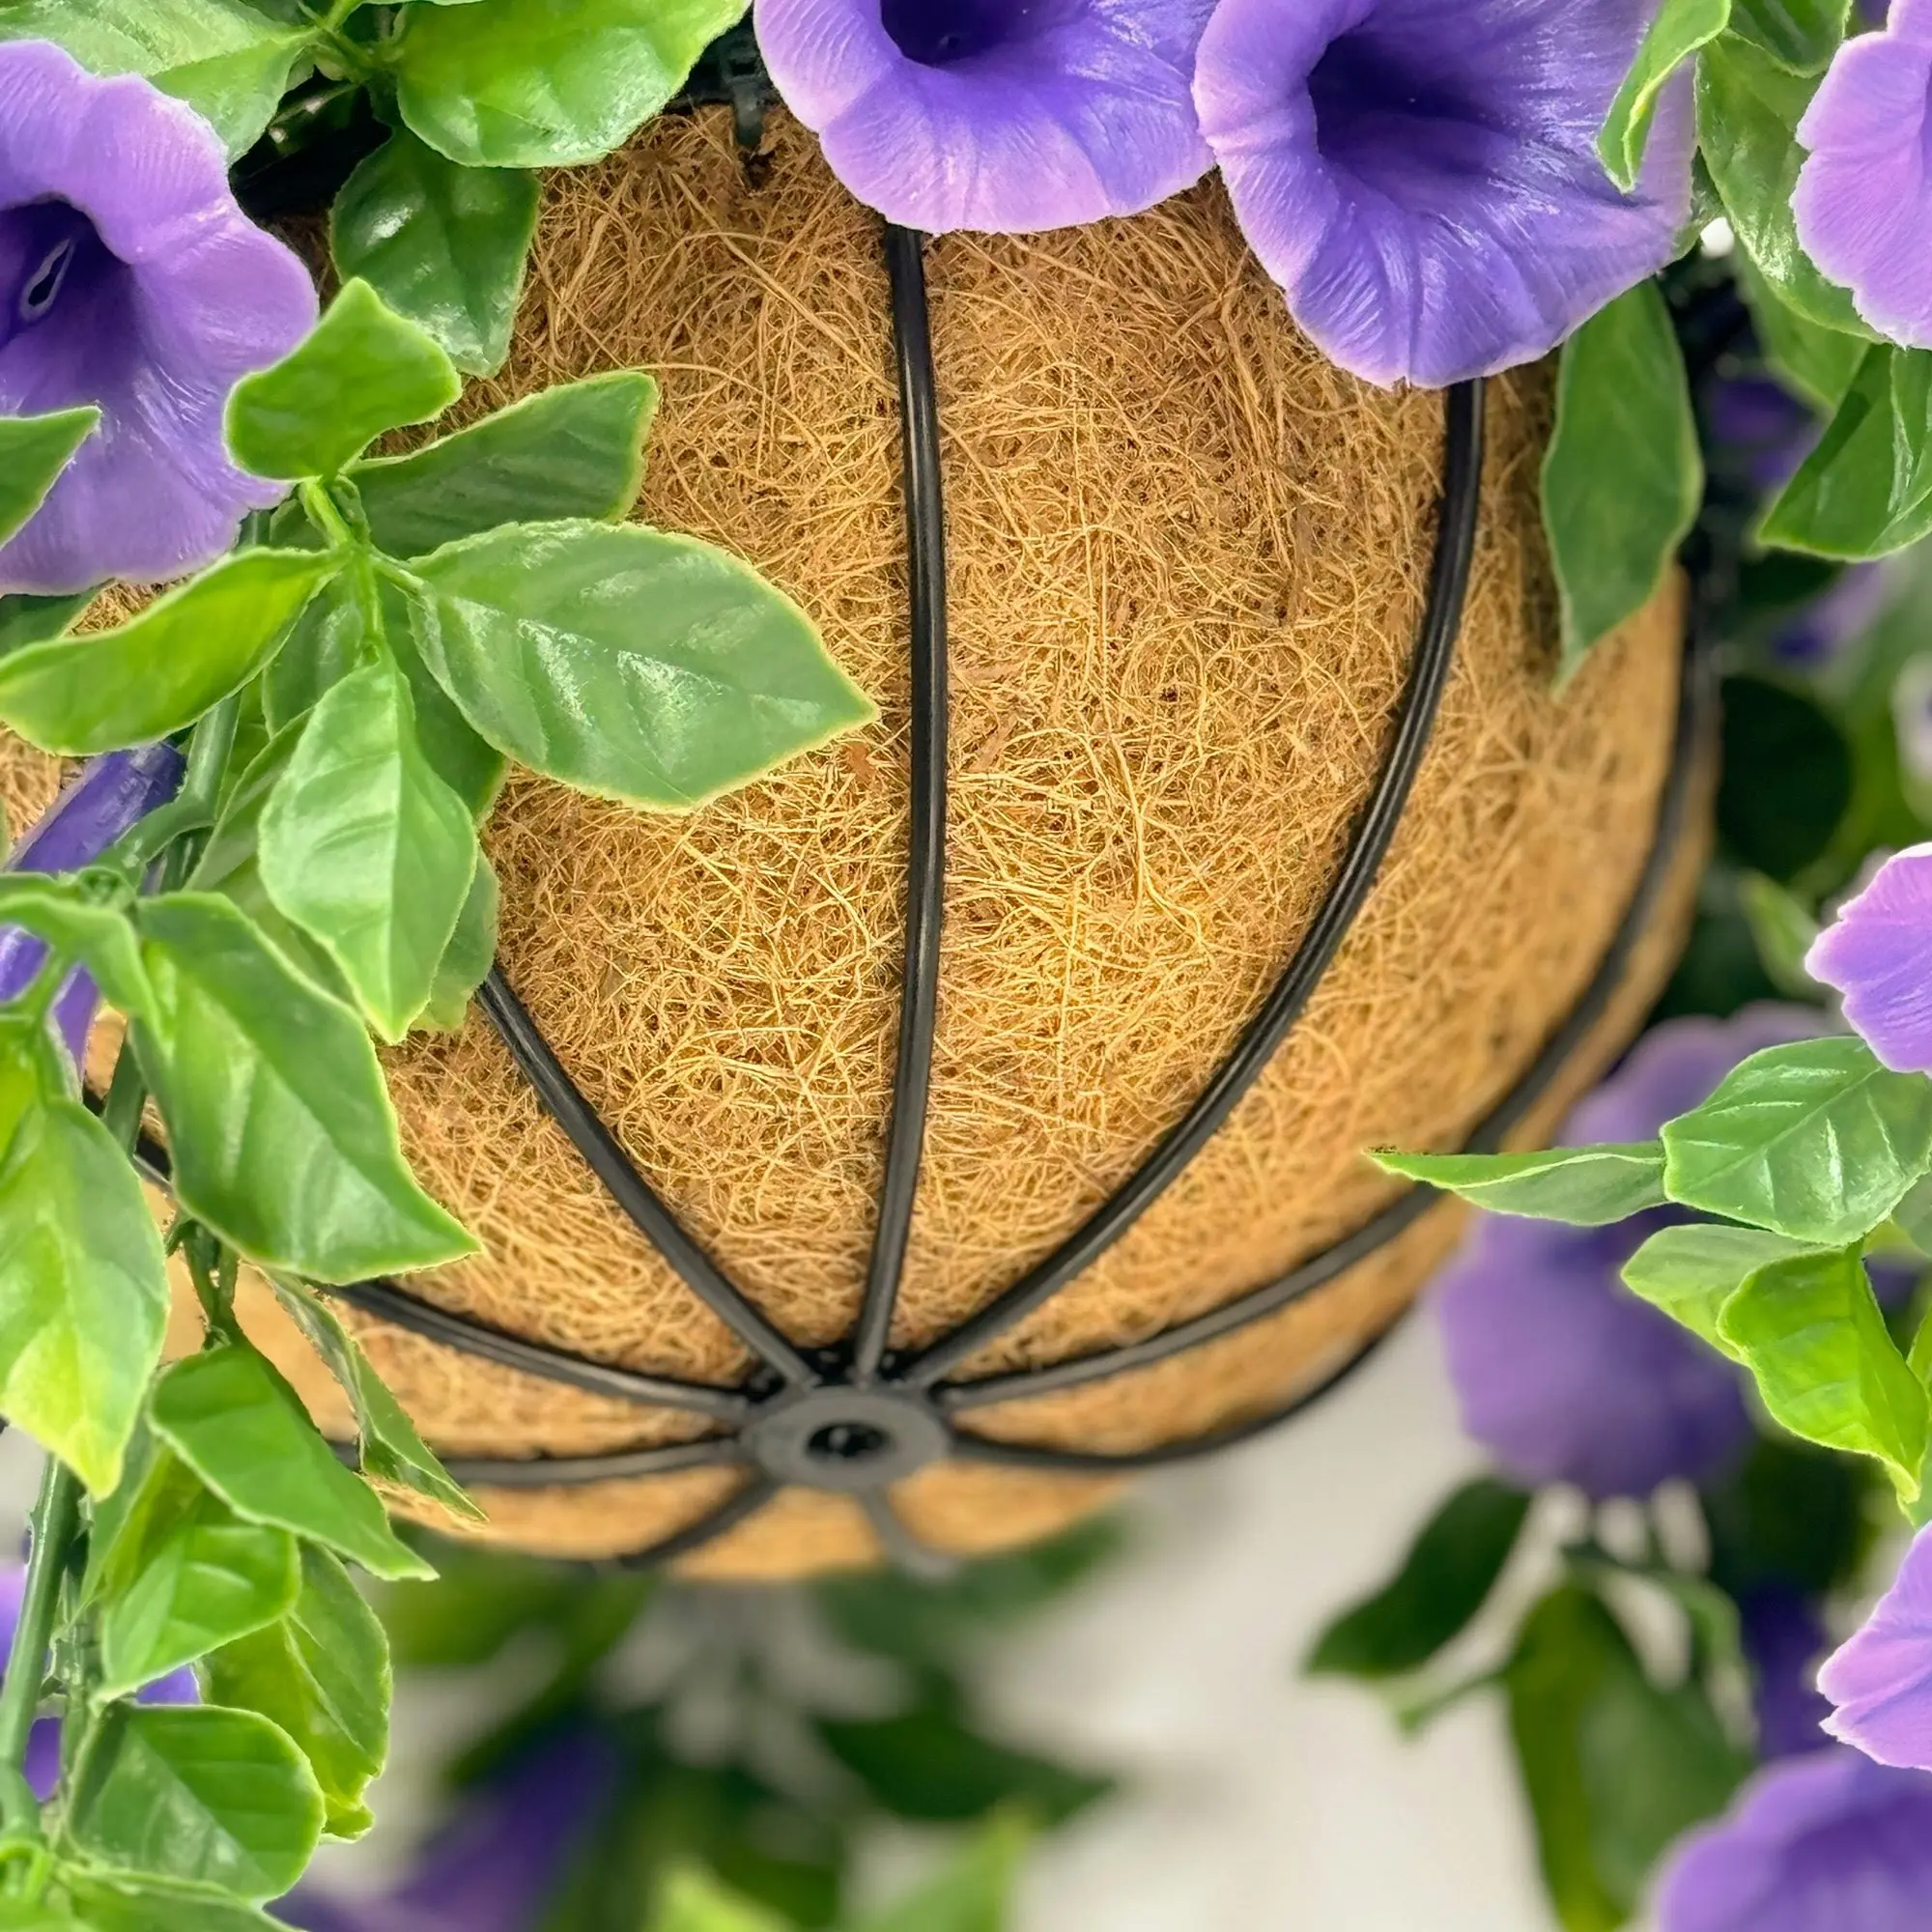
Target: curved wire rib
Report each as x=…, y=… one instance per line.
x=900, y=1546
x=1429, y=672
x=925, y=863
x=541, y=1472
x=566, y=1104
x=741, y=1503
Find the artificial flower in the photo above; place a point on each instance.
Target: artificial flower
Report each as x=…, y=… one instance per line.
x=129, y=279
x=1879, y=1680
x=1760, y=428
x=1783, y=1640
x=1003, y=115
x=1422, y=177
x=1827, y=1842
x=1863, y=199
x=1558, y=1370
x=1878, y=953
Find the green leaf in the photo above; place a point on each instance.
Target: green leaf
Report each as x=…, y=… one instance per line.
x=1779, y=825
x=362, y=371
x=1801, y=35
x=82, y=927
x=1690, y=1272
x=125, y=1902
x=160, y=671
x=185, y=1575
x=1865, y=488
x=575, y=451
x=548, y=83
x=1816, y=1141
x=366, y=849
x=391, y=1449
x=244, y=1432
x=1622, y=477
x=472, y=951
x=1789, y=1516
x=33, y=450
x=283, y=1138
x=323, y=1675
x=228, y=59
x=329, y=639
x=1912, y=1215
x=694, y=1902
x=33, y=620
x=213, y=1796
x=1825, y=1363
x=1748, y=108
x=625, y=661
x=1680, y=28
x=442, y=244
x=973, y=1893
x=84, y=1291
x=1782, y=930
x=1446, y=1577
x=1818, y=363
x=1586, y=1186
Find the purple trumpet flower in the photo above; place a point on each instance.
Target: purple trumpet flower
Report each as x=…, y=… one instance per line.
x=130, y=279
x=112, y=794
x=1880, y=1679
x=1878, y=953
x=1785, y=1639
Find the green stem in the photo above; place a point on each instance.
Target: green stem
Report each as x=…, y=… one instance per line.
x=55, y=1517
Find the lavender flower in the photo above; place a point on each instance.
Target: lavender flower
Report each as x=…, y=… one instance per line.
x=1878, y=953
x=1423, y=180
x=1829, y=1842
x=1863, y=199
x=1006, y=115
x=1783, y=1640
x=1879, y=1680
x=1820, y=634
x=128, y=278
x=1559, y=1371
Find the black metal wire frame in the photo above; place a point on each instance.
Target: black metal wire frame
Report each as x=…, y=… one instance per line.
x=859, y=1418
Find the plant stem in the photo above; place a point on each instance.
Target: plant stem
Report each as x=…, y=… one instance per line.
x=54, y=1518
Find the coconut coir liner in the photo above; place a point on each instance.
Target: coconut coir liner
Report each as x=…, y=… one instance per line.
x=1186, y=567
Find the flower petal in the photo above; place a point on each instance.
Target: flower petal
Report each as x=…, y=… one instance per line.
x=1880, y=1679
x=1878, y=953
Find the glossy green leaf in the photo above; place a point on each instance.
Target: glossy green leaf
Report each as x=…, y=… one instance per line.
x=1912, y=1215
x=162, y=670
x=185, y=1575
x=1819, y=364
x=283, y=1137
x=1445, y=1579
x=1782, y=930
x=366, y=849
x=33, y=620
x=1815, y=1140
x=548, y=83
x=83, y=928
x=228, y=59
x=471, y=953
x=127, y=1902
x=322, y=1675
x=472, y=767
x=973, y=1892
x=1690, y=1272
x=1585, y=1186
x=1826, y=1367
x=327, y=642
x=84, y=1291
x=626, y=662
x=362, y=371
x=1865, y=488
x=33, y=450
x=692, y=1901
x=392, y=1451
x=1748, y=108
x=442, y=244
x=234, y=1422
x=1623, y=478
x=1679, y=29
x=1801, y=35
x=575, y=451
x=209, y=1796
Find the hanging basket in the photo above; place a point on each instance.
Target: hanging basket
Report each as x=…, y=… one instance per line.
x=893, y=1156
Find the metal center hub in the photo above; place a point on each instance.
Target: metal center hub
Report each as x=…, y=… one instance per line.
x=841, y=1438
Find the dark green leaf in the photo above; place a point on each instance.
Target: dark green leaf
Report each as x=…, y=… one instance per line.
x=83, y=928
x=1816, y=1141
x=1443, y=1581
x=1818, y=363
x=1690, y=1272
x=1783, y=930
x=575, y=451
x=472, y=951
x=442, y=244
x=1680, y=28
x=283, y=1138
x=1801, y=35
x=364, y=370
x=626, y=662
x=1790, y=1517
x=244, y=1432
x=123, y=1902
x=1586, y=1186
x=1787, y=776
x=33, y=450
x=162, y=670
x=323, y=1675
x=472, y=769
x=548, y=83
x=1623, y=476
x=366, y=849
x=212, y=1796
x=973, y=1893
x=1826, y=1365
x=33, y=620
x=84, y=1291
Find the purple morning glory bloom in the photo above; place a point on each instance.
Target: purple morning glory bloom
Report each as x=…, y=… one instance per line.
x=1880, y=1679
x=1829, y=1842
x=1761, y=426
x=1859, y=596
x=1863, y=199
x=129, y=279
x=1003, y=115
x=1559, y=1371
x=1422, y=177
x=1878, y=953
x=112, y=793
x=1783, y=1640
